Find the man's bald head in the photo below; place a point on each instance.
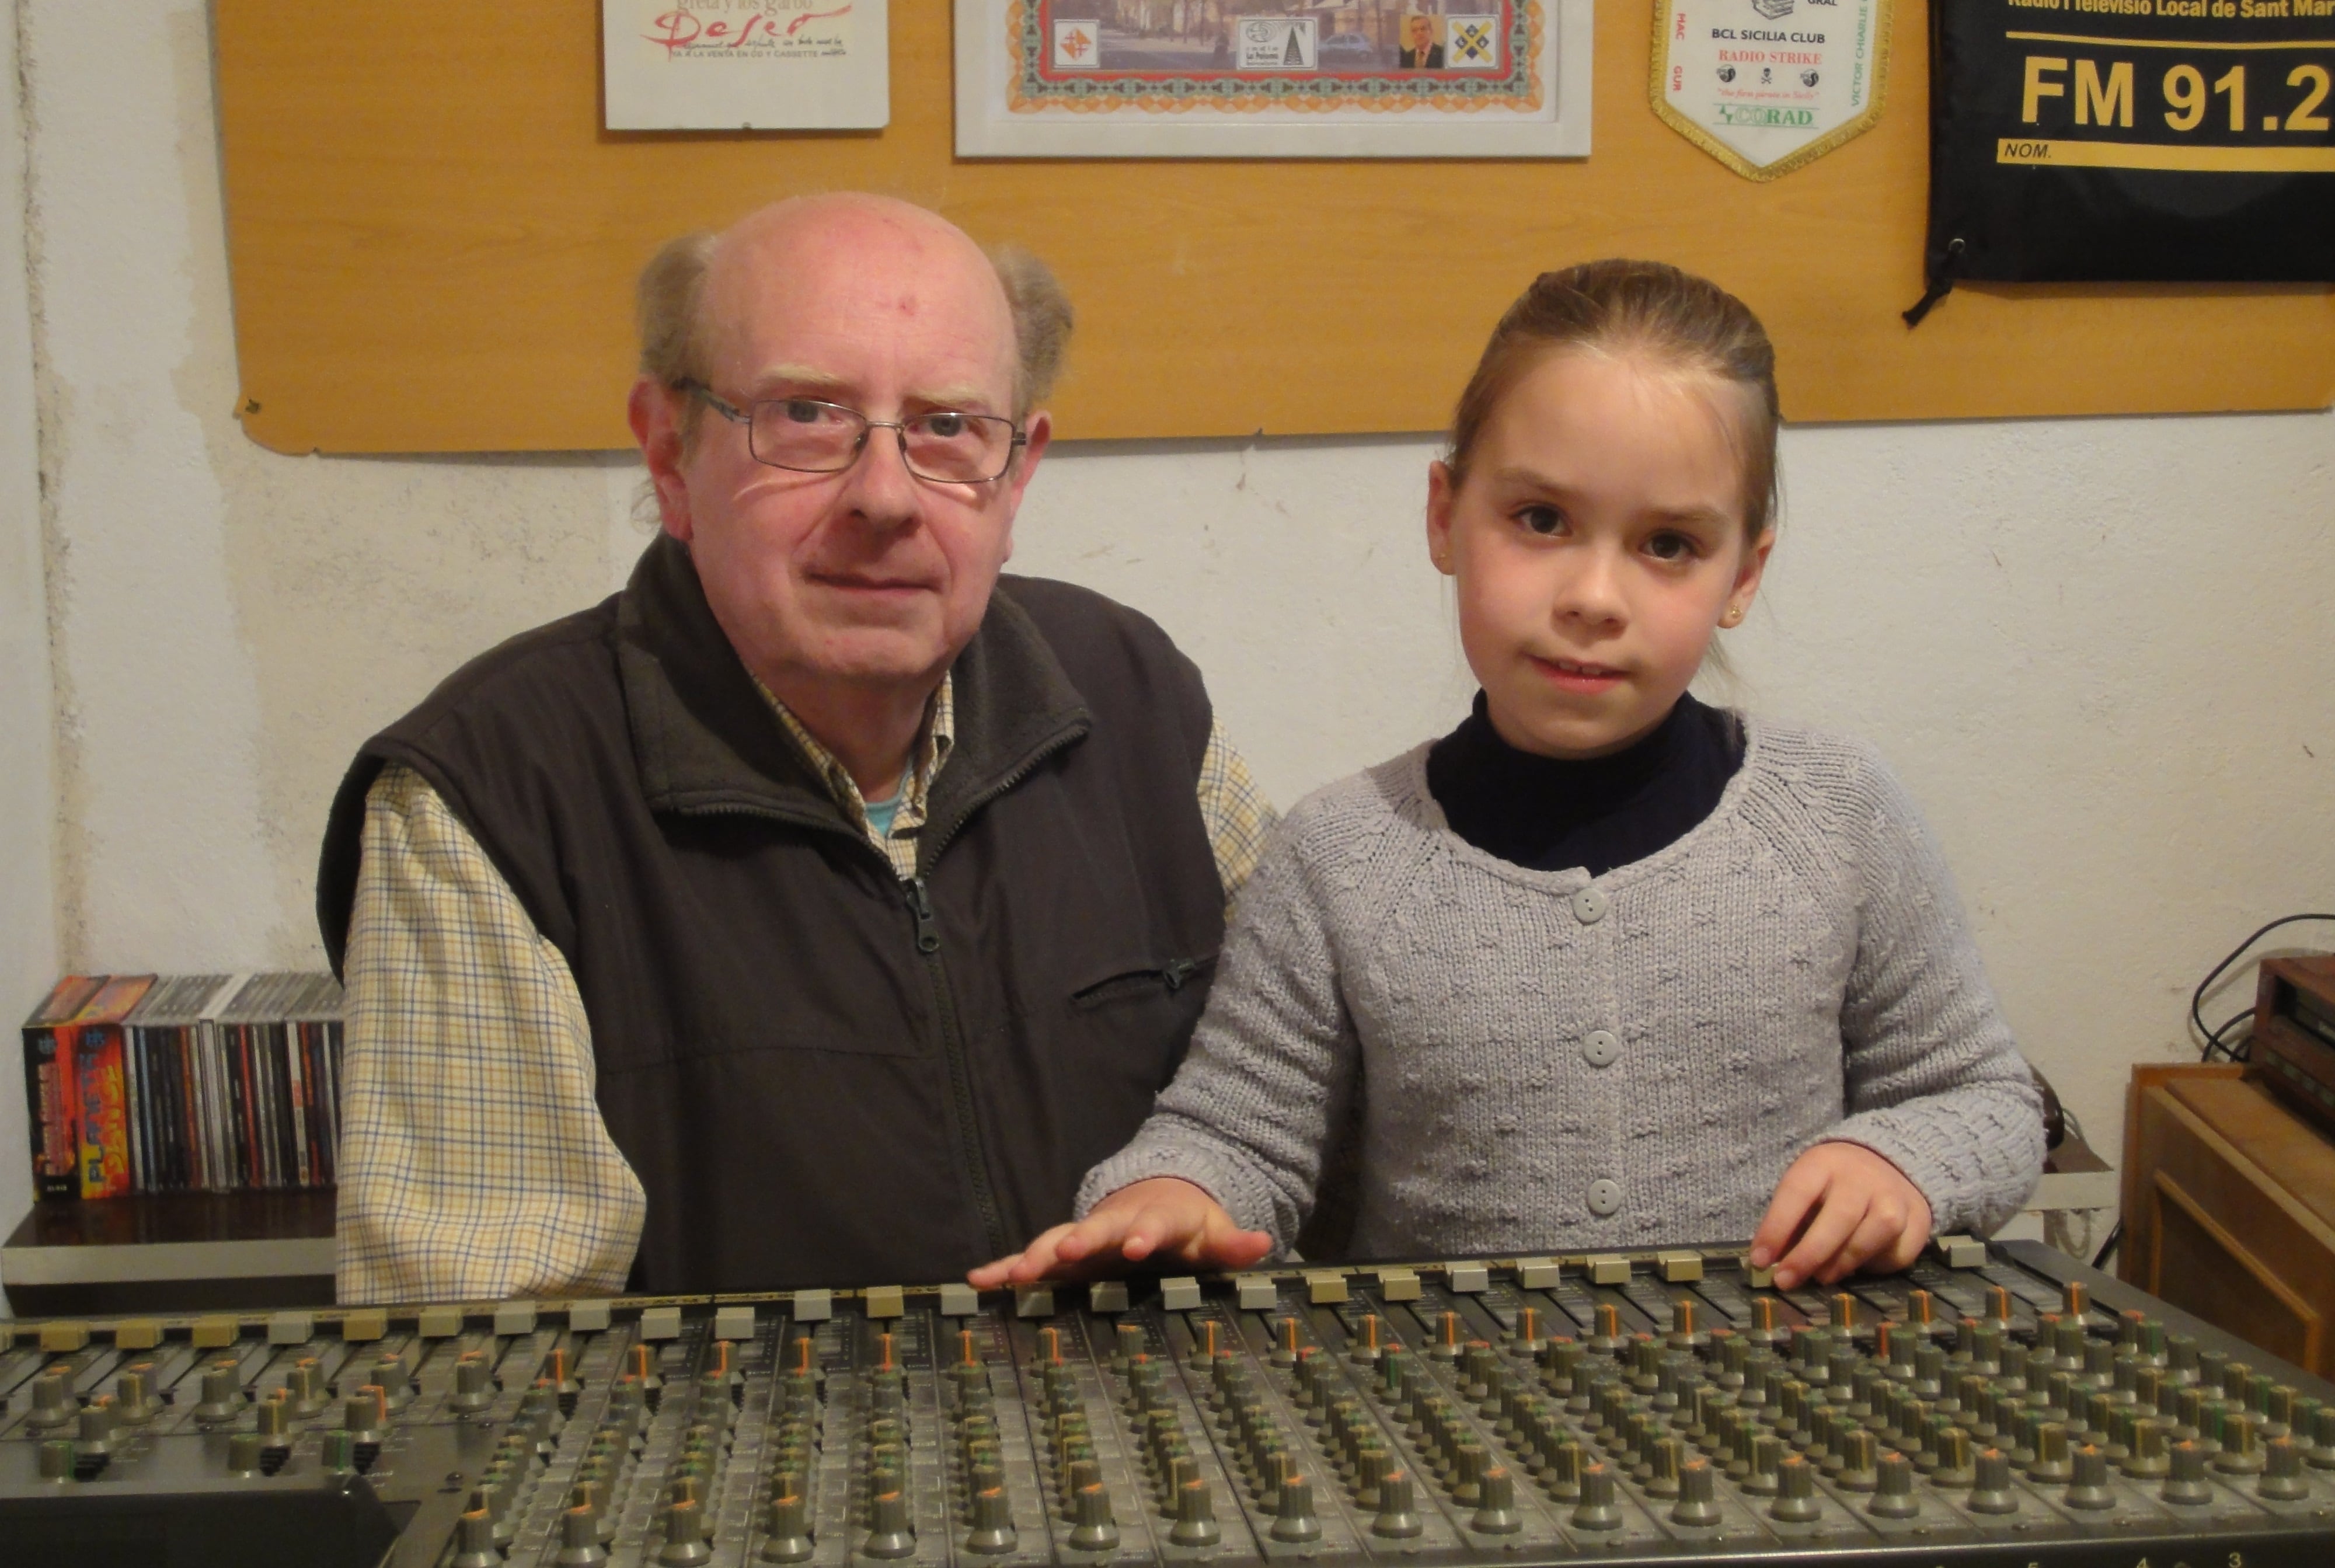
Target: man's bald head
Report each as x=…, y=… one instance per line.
x=698, y=286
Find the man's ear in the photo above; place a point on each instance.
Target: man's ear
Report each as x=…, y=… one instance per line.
x=1039, y=428
x=654, y=413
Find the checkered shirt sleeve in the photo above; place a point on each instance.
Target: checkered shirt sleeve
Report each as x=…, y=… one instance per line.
x=1238, y=815
x=474, y=1161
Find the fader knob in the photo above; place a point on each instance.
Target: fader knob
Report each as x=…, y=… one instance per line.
x=1992, y=1493
x=222, y=1400
x=684, y=1537
x=2089, y=1489
x=1196, y=1515
x=474, y=1541
x=2187, y=1486
x=1092, y=1527
x=788, y=1537
x=579, y=1540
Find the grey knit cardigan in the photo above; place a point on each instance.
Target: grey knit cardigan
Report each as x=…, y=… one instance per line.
x=1538, y=1060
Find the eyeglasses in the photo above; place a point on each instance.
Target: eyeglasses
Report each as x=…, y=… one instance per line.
x=947, y=446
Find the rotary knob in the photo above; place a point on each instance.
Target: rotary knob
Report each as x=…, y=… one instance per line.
x=684, y=1536
x=1893, y=1491
x=396, y=1385
x=786, y=1538
x=93, y=1433
x=474, y=1386
x=2185, y=1486
x=1294, y=1519
x=306, y=1382
x=474, y=1541
x=1596, y=1510
x=1991, y=1492
x=2241, y=1451
x=1698, y=1504
x=1092, y=1526
x=1196, y=1515
x=1398, y=1517
x=271, y=1422
x=1795, y=1489
x=579, y=1540
x=2089, y=1488
x=2282, y=1479
x=243, y=1455
x=57, y=1460
x=133, y=1396
x=1496, y=1509
x=364, y=1415
x=222, y=1400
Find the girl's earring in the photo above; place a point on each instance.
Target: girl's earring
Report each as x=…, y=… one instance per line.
x=1734, y=614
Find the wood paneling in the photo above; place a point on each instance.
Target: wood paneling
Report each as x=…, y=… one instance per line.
x=433, y=244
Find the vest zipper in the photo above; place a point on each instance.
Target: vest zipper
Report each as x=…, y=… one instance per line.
x=928, y=943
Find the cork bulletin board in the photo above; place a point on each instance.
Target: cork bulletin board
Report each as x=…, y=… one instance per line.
x=432, y=245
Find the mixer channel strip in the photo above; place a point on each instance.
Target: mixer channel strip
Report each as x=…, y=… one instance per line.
x=1666, y=1407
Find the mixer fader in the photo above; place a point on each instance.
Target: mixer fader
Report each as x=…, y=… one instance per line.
x=2003, y=1406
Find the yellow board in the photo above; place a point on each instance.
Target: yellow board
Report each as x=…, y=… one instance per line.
x=433, y=244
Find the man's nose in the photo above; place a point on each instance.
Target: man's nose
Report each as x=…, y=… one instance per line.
x=883, y=489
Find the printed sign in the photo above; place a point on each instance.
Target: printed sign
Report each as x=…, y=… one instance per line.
x=1765, y=86
x=746, y=64
x=2131, y=141
x=1474, y=43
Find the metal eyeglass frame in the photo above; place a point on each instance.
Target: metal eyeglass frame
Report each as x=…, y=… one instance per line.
x=899, y=429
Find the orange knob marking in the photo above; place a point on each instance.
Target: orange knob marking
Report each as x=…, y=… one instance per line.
x=1451, y=1329
x=965, y=1354
x=1370, y=1329
x=802, y=1353
x=1528, y=1323
x=1208, y=1337
x=884, y=1352
x=1289, y=1335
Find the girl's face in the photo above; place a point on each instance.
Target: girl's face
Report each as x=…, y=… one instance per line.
x=1597, y=544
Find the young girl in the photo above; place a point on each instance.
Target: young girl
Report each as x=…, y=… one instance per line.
x=1604, y=967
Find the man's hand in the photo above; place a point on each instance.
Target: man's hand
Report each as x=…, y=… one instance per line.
x=1839, y=1208
x=1162, y=1215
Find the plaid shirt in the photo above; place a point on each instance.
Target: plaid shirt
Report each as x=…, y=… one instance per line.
x=474, y=1162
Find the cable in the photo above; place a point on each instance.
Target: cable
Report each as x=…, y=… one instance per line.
x=2197, y=997
x=2107, y=1248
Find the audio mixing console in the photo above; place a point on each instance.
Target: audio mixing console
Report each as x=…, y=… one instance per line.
x=1992, y=1406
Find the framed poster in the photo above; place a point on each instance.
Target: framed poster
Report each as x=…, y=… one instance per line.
x=745, y=64
x=1272, y=78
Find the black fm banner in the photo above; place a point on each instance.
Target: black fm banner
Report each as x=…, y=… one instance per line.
x=2130, y=140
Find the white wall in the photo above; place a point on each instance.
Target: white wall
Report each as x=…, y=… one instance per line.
x=2096, y=649
x=28, y=922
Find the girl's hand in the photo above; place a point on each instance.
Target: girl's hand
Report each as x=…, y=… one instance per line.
x=1162, y=1215
x=1839, y=1208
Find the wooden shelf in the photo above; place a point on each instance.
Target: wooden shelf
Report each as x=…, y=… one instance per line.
x=2228, y=1209
x=173, y=1251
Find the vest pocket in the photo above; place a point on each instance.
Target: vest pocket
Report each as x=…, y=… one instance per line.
x=1136, y=983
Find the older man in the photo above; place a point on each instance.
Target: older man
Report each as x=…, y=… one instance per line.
x=819, y=907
